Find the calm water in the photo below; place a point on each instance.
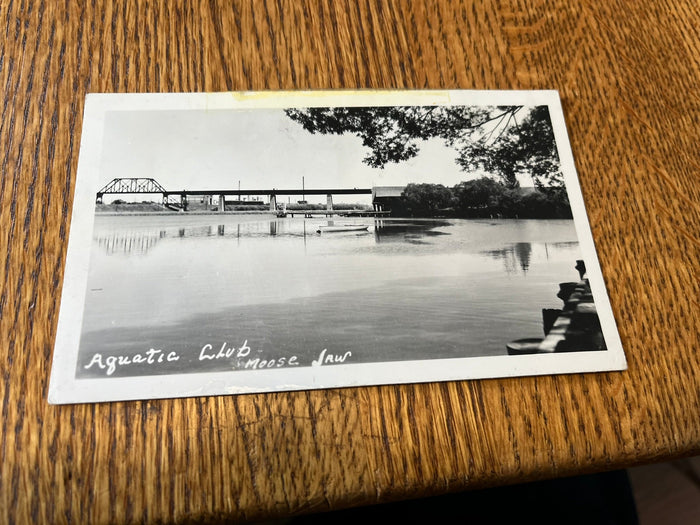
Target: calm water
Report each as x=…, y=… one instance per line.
x=404, y=289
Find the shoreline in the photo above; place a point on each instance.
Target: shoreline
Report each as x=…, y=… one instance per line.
x=183, y=213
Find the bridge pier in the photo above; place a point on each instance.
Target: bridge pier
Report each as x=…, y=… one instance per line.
x=273, y=202
x=329, y=202
x=222, y=203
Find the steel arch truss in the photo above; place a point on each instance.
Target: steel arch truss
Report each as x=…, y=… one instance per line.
x=132, y=186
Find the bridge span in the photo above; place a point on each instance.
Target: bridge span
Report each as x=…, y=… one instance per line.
x=151, y=186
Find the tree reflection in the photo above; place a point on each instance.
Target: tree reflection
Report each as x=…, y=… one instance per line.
x=514, y=256
x=414, y=232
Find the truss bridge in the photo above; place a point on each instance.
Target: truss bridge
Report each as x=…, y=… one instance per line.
x=135, y=185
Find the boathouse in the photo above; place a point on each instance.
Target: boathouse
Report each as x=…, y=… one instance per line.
x=384, y=198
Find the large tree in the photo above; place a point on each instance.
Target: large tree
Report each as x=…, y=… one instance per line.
x=426, y=199
x=476, y=193
x=527, y=148
x=506, y=141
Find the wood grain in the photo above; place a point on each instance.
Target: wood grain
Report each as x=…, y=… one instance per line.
x=628, y=74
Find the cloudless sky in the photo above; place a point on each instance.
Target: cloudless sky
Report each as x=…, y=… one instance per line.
x=261, y=148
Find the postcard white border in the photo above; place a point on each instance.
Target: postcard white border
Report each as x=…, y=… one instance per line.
x=64, y=388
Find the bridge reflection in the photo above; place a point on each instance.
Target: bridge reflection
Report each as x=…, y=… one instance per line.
x=141, y=241
x=137, y=241
x=131, y=243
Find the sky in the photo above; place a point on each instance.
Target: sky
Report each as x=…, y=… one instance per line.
x=261, y=148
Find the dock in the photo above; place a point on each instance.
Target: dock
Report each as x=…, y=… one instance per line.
x=309, y=214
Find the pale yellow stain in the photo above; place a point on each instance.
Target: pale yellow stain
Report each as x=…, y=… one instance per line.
x=388, y=97
x=244, y=96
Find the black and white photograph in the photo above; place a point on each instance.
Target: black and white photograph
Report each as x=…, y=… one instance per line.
x=251, y=242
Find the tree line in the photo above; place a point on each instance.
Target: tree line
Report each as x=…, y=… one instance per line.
x=479, y=198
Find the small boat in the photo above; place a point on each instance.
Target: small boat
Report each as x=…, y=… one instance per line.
x=343, y=228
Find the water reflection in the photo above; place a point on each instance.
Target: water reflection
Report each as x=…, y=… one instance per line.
x=140, y=238
x=412, y=232
x=131, y=243
x=140, y=241
x=516, y=257
x=134, y=241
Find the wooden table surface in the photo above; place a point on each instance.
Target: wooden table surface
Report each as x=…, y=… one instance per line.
x=628, y=73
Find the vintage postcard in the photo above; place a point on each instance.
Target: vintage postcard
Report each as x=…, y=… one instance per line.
x=251, y=242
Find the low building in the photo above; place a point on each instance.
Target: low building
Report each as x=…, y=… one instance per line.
x=384, y=198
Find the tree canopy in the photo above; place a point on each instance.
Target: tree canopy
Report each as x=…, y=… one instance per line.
x=426, y=199
x=482, y=197
x=487, y=138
